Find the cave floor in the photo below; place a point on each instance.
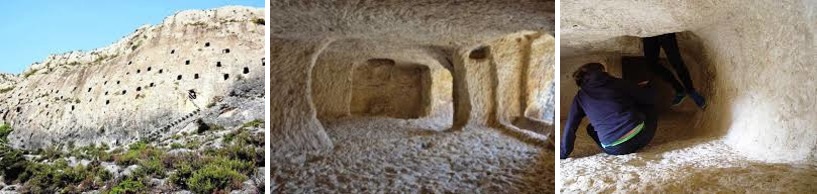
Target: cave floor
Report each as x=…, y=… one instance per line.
x=677, y=161
x=385, y=155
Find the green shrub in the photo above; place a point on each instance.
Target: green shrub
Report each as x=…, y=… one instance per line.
x=136, y=152
x=59, y=177
x=176, y=146
x=128, y=186
x=237, y=153
x=244, y=167
x=12, y=163
x=29, y=73
x=214, y=178
x=4, y=90
x=51, y=153
x=5, y=130
x=203, y=127
x=193, y=144
x=254, y=123
x=182, y=174
x=152, y=167
x=244, y=137
x=259, y=21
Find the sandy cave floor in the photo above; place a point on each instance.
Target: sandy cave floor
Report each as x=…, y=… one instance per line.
x=678, y=161
x=384, y=155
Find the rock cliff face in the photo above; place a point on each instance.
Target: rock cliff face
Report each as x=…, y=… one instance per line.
x=150, y=83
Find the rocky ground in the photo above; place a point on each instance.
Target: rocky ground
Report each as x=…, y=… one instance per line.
x=384, y=155
x=218, y=149
x=679, y=161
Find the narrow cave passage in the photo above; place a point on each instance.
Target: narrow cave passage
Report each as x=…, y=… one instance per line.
x=748, y=129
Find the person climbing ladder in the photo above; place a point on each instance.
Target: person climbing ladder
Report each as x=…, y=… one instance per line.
x=652, y=47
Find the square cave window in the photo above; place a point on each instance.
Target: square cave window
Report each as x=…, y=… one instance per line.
x=196, y=76
x=246, y=70
x=218, y=64
x=226, y=76
x=187, y=62
x=207, y=44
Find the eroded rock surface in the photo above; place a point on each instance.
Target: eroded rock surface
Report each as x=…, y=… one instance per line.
x=142, y=85
x=411, y=96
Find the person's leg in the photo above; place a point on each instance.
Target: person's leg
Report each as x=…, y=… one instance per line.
x=650, y=126
x=593, y=134
x=670, y=45
x=652, y=48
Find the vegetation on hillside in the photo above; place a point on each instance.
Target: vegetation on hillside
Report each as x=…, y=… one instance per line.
x=207, y=170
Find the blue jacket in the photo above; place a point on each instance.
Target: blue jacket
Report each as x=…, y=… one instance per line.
x=610, y=104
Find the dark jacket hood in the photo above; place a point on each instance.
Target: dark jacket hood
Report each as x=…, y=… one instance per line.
x=595, y=79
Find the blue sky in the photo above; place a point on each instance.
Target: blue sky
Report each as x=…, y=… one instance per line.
x=32, y=30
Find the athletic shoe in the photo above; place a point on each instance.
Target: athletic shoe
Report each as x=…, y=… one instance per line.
x=699, y=100
x=679, y=98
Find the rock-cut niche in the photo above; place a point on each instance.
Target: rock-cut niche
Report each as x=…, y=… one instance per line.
x=382, y=88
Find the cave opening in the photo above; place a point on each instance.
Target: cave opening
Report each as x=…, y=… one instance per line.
x=681, y=122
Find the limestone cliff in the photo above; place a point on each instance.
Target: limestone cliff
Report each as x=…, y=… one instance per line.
x=150, y=83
